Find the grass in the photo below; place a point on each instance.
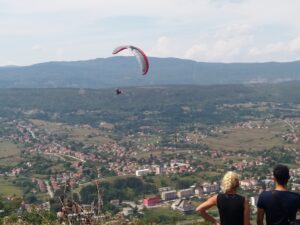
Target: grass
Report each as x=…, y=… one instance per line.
x=83, y=134
x=58, y=168
x=162, y=151
x=9, y=153
x=7, y=188
x=8, y=149
x=50, y=126
x=244, y=138
x=42, y=197
x=105, y=179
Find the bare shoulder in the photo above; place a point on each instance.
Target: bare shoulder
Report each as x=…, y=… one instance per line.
x=212, y=201
x=213, y=198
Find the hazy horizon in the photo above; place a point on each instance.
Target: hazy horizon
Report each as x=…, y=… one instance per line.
x=99, y=58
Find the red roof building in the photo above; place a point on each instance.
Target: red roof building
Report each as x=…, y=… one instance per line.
x=152, y=201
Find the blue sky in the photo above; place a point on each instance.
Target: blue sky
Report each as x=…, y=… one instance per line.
x=34, y=31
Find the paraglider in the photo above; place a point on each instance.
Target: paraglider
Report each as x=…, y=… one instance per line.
x=139, y=54
x=118, y=91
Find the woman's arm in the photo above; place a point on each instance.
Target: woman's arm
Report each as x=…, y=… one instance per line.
x=205, y=206
x=246, y=212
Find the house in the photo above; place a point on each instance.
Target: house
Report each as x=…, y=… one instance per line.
x=42, y=185
x=199, y=191
x=168, y=195
x=183, y=206
x=162, y=189
x=210, y=188
x=159, y=170
x=185, y=193
x=127, y=211
x=248, y=184
x=115, y=202
x=152, y=201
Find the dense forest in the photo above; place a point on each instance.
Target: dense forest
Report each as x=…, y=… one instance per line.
x=167, y=106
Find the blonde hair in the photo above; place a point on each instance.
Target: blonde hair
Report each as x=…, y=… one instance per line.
x=230, y=182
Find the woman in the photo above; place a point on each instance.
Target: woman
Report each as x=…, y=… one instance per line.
x=233, y=208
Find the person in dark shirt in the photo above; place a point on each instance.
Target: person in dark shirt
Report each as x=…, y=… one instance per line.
x=280, y=205
x=233, y=208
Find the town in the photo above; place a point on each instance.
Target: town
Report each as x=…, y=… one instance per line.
x=83, y=167
x=130, y=169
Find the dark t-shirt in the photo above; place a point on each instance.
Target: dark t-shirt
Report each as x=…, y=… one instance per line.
x=231, y=209
x=290, y=203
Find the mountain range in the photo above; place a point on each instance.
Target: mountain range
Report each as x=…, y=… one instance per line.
x=124, y=71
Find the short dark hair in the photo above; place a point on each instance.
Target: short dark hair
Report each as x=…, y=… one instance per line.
x=281, y=174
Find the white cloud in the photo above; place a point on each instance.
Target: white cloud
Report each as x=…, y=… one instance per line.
x=195, y=50
x=163, y=47
x=210, y=30
x=225, y=46
x=291, y=46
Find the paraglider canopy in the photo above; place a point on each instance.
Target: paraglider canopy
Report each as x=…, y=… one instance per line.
x=139, y=54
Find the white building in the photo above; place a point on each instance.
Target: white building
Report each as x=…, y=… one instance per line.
x=210, y=188
x=185, y=193
x=127, y=211
x=199, y=191
x=168, y=195
x=142, y=172
x=248, y=183
x=164, y=189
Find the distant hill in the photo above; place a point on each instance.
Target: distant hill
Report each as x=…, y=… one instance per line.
x=124, y=71
x=155, y=106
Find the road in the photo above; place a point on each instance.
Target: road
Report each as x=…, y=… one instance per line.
x=50, y=192
x=289, y=124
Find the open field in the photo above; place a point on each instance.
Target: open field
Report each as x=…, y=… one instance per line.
x=9, y=153
x=49, y=126
x=159, y=152
x=7, y=188
x=239, y=139
x=85, y=134
x=88, y=135
x=244, y=138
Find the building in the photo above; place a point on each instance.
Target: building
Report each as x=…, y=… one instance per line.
x=168, y=195
x=42, y=185
x=140, y=173
x=159, y=170
x=127, y=211
x=199, y=191
x=162, y=189
x=185, y=193
x=115, y=202
x=183, y=205
x=295, y=187
x=253, y=201
x=268, y=183
x=152, y=201
x=210, y=188
x=248, y=184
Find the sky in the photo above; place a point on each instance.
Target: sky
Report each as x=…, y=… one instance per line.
x=34, y=31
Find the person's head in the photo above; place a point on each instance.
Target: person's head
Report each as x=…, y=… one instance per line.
x=281, y=174
x=230, y=182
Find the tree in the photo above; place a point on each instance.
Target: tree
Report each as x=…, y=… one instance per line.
x=30, y=198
